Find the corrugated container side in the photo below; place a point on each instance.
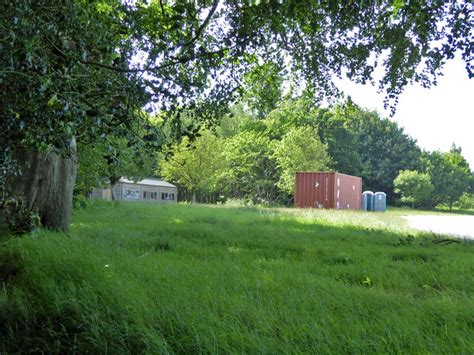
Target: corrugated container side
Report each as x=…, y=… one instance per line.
x=314, y=190
x=327, y=190
x=348, y=190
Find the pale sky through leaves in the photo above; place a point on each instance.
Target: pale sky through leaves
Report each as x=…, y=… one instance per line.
x=435, y=117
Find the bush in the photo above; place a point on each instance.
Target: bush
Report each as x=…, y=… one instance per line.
x=238, y=202
x=415, y=188
x=80, y=201
x=18, y=217
x=466, y=201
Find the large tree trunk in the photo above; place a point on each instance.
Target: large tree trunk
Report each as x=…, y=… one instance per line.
x=47, y=185
x=112, y=193
x=113, y=181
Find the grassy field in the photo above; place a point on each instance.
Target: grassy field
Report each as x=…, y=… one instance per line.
x=132, y=278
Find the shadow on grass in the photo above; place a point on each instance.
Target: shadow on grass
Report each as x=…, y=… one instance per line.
x=4, y=231
x=243, y=227
x=455, y=211
x=406, y=210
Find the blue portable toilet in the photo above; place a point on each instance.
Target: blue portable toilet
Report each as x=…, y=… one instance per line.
x=368, y=201
x=380, y=203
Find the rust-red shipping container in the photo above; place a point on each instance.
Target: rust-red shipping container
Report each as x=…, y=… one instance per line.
x=327, y=190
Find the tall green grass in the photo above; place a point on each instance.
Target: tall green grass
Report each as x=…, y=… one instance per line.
x=134, y=278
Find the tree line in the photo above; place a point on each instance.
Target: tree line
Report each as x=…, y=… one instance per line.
x=442, y=178
x=253, y=155
x=256, y=159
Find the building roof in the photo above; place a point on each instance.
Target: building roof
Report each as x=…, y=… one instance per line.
x=149, y=182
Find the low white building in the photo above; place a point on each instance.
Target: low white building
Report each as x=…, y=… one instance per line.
x=151, y=190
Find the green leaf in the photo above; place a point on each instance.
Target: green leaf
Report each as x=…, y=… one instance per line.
x=52, y=100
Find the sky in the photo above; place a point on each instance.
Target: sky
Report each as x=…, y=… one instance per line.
x=435, y=117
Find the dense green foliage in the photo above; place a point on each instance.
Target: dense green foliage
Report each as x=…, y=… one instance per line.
x=51, y=91
x=466, y=201
x=261, y=154
x=384, y=150
x=342, y=140
x=105, y=162
x=262, y=89
x=414, y=187
x=136, y=278
x=299, y=150
x=450, y=174
x=250, y=171
x=195, y=165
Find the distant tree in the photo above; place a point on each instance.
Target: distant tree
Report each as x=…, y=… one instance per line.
x=415, y=188
x=471, y=183
x=250, y=170
x=262, y=89
x=331, y=126
x=194, y=165
x=449, y=173
x=299, y=150
x=104, y=163
x=290, y=114
x=466, y=201
x=359, y=142
x=234, y=121
x=384, y=148
x=342, y=141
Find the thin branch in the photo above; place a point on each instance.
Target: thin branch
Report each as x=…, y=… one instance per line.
x=175, y=61
x=16, y=73
x=204, y=24
x=162, y=8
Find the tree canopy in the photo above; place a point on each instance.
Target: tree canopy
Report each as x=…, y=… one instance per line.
x=299, y=150
x=79, y=68
x=450, y=174
x=383, y=147
x=194, y=165
x=413, y=187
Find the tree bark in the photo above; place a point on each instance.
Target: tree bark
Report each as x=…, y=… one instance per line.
x=47, y=185
x=193, y=197
x=112, y=192
x=113, y=181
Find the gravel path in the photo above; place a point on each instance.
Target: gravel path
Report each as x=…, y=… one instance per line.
x=456, y=226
